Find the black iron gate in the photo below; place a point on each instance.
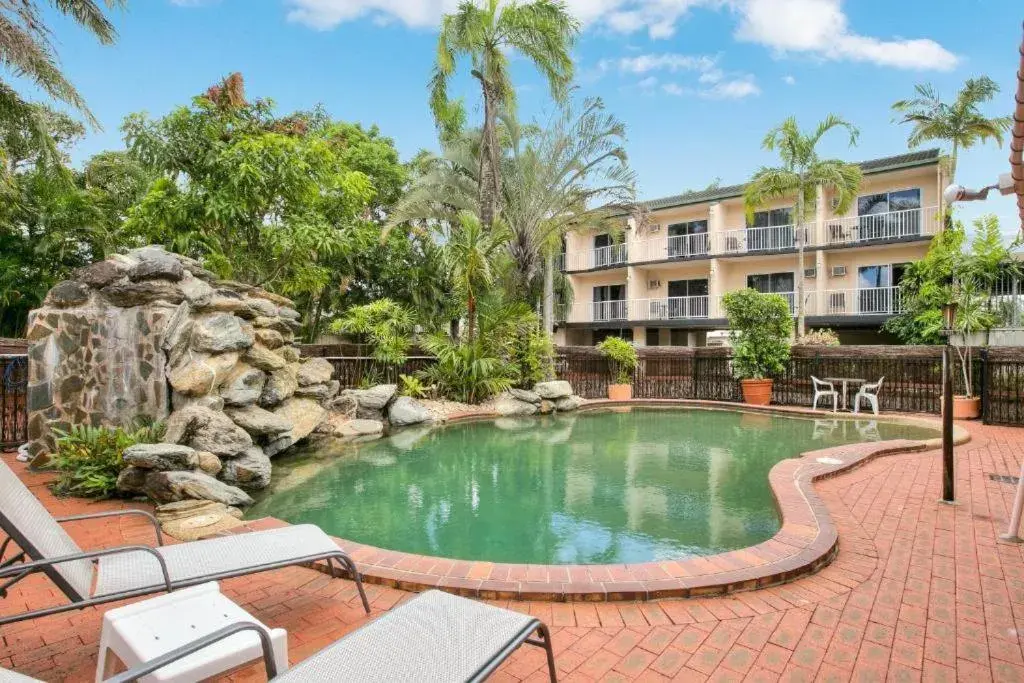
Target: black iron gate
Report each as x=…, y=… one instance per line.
x=13, y=408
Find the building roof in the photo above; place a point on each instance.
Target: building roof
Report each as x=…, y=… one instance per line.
x=909, y=160
x=1017, y=140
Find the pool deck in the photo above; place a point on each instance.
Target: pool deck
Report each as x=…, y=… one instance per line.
x=917, y=590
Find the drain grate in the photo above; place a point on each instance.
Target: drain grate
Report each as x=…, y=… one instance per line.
x=1004, y=479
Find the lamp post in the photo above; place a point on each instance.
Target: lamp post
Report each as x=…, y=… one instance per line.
x=948, y=474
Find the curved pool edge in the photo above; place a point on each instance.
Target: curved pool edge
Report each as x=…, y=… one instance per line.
x=806, y=542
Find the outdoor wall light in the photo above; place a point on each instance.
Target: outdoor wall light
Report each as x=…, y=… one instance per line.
x=959, y=193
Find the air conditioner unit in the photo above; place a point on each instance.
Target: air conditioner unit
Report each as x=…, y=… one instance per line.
x=838, y=271
x=653, y=284
x=654, y=227
x=810, y=273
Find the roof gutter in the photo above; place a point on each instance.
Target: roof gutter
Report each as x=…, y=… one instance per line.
x=1017, y=140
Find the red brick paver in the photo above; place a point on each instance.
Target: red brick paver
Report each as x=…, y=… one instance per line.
x=918, y=591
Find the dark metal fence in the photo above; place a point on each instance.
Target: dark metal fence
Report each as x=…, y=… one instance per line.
x=13, y=408
x=1002, y=389
x=361, y=371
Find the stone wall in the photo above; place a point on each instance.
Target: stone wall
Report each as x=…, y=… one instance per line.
x=153, y=334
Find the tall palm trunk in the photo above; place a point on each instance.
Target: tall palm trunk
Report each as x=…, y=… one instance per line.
x=470, y=318
x=490, y=183
x=548, y=303
x=800, y=238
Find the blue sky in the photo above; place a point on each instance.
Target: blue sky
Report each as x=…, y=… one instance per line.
x=697, y=82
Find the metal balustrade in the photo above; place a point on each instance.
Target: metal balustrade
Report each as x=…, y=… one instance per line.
x=603, y=257
x=882, y=227
x=669, y=308
x=753, y=240
x=862, y=301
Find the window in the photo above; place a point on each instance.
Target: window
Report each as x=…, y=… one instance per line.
x=770, y=230
x=653, y=336
x=601, y=335
x=688, y=239
x=609, y=302
x=889, y=215
x=772, y=283
x=680, y=338
x=687, y=298
x=877, y=288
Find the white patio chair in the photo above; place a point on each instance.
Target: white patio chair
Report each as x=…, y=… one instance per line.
x=824, y=389
x=868, y=392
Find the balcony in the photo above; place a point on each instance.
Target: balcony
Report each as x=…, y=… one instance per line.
x=876, y=228
x=673, y=247
x=671, y=308
x=759, y=240
x=612, y=256
x=597, y=312
x=864, y=301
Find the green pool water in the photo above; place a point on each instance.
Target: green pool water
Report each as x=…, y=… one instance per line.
x=590, y=488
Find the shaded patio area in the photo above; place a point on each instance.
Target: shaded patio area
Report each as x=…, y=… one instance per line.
x=918, y=591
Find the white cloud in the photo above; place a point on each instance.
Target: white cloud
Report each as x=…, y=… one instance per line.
x=673, y=89
x=789, y=80
x=820, y=28
x=815, y=27
x=648, y=83
x=734, y=89
x=642, y=64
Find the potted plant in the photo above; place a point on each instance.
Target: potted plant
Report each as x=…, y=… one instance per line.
x=622, y=357
x=760, y=326
x=973, y=315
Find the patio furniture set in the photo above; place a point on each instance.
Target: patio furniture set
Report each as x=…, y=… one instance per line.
x=193, y=632
x=825, y=388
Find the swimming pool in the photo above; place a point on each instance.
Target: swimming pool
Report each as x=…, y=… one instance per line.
x=595, y=487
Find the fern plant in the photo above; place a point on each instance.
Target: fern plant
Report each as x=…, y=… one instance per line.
x=89, y=459
x=413, y=387
x=466, y=371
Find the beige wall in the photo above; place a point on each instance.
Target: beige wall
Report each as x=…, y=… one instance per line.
x=664, y=272
x=926, y=178
x=866, y=256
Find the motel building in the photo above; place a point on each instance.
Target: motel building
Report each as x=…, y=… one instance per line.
x=661, y=283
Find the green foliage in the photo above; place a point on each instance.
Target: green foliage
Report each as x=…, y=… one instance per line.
x=960, y=123
x=471, y=254
x=89, y=459
x=466, y=371
x=759, y=330
x=950, y=269
x=823, y=337
x=413, y=387
x=515, y=334
x=384, y=324
x=622, y=357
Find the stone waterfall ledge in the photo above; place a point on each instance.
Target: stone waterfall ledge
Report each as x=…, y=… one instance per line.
x=152, y=333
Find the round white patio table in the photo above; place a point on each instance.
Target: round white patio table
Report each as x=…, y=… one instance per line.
x=844, y=381
x=142, y=631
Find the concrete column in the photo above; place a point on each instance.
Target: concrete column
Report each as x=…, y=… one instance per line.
x=714, y=288
x=691, y=338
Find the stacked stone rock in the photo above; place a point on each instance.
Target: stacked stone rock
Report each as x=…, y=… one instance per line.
x=546, y=397
x=239, y=391
x=360, y=414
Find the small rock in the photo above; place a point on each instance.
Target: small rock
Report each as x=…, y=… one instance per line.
x=280, y=386
x=364, y=427
x=209, y=463
x=160, y=456
x=568, y=404
x=525, y=396
x=165, y=267
x=255, y=307
x=259, y=422
x=278, y=445
x=202, y=373
x=304, y=414
x=289, y=313
x=168, y=487
x=206, y=430
x=192, y=520
x=263, y=358
x=272, y=323
x=315, y=371
x=127, y=294
x=508, y=405
x=66, y=294
x=243, y=386
x=132, y=480
x=546, y=407
x=345, y=404
x=218, y=333
x=374, y=398
x=407, y=411
x=272, y=339
x=251, y=470
x=222, y=304
x=553, y=390
x=179, y=401
x=197, y=292
x=289, y=353
x=101, y=273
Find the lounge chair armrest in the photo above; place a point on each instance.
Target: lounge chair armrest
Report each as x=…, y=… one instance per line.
x=118, y=513
x=152, y=665
x=36, y=565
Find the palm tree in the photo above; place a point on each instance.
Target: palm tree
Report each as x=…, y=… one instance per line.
x=26, y=50
x=801, y=174
x=571, y=175
x=542, y=30
x=471, y=252
x=960, y=123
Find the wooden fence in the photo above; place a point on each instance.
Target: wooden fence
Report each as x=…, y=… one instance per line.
x=13, y=405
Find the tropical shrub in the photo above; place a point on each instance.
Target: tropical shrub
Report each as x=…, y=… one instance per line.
x=622, y=357
x=384, y=324
x=413, y=387
x=824, y=337
x=759, y=331
x=88, y=459
x=466, y=371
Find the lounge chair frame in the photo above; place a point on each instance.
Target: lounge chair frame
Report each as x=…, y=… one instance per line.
x=29, y=560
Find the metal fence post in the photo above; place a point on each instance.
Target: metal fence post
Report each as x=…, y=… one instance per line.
x=983, y=388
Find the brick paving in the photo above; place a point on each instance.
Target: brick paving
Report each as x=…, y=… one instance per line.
x=918, y=591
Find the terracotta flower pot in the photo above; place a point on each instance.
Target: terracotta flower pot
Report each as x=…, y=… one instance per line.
x=620, y=392
x=966, y=408
x=757, y=392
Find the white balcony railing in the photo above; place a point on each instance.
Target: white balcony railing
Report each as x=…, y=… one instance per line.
x=863, y=301
x=879, y=227
x=597, y=311
x=602, y=257
x=755, y=240
x=670, y=308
